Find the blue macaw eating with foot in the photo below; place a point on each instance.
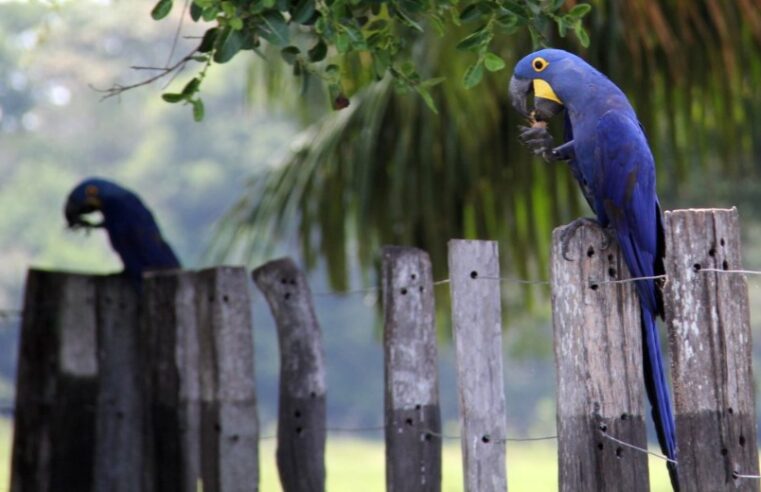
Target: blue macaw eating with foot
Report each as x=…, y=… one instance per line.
x=609, y=155
x=131, y=227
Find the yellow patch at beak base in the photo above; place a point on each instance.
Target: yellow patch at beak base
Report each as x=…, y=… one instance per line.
x=544, y=90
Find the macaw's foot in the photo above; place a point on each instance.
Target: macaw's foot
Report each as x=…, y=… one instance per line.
x=569, y=231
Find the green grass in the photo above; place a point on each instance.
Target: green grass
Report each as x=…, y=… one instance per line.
x=357, y=464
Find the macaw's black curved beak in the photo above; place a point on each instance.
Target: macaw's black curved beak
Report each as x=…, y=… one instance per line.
x=519, y=91
x=74, y=213
x=545, y=109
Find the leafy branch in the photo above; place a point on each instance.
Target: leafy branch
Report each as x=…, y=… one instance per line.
x=317, y=37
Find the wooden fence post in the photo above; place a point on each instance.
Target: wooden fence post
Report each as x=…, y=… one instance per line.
x=229, y=422
x=119, y=444
x=173, y=370
x=53, y=443
x=598, y=352
x=708, y=318
x=477, y=327
x=301, y=408
x=413, y=417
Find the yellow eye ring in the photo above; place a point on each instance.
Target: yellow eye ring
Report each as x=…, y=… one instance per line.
x=539, y=64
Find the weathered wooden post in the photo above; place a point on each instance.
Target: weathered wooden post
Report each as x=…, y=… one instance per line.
x=229, y=422
x=173, y=386
x=119, y=444
x=598, y=353
x=301, y=406
x=56, y=385
x=477, y=327
x=413, y=417
x=709, y=325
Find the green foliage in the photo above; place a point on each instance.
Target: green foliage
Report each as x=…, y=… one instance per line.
x=380, y=33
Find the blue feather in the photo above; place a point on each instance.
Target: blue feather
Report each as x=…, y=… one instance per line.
x=131, y=227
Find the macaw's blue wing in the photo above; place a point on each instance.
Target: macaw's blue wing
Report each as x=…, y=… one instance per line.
x=625, y=198
x=135, y=236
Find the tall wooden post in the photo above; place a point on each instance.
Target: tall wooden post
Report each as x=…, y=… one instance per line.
x=708, y=318
x=173, y=380
x=413, y=418
x=119, y=444
x=229, y=422
x=301, y=408
x=598, y=352
x=477, y=326
x=56, y=387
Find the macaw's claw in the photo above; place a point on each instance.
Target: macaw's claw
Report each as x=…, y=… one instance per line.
x=568, y=232
x=539, y=141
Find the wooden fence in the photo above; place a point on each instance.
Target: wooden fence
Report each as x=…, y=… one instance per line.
x=156, y=393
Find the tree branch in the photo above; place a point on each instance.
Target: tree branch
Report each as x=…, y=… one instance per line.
x=118, y=89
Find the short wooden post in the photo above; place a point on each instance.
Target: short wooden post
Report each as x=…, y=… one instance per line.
x=119, y=445
x=53, y=443
x=708, y=318
x=173, y=370
x=229, y=423
x=413, y=417
x=301, y=408
x=598, y=353
x=477, y=327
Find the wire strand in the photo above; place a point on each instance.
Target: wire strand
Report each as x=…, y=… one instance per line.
x=637, y=448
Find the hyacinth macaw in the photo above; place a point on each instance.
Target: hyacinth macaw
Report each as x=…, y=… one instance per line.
x=131, y=227
x=609, y=155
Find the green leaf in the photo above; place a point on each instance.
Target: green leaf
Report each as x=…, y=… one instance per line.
x=161, y=9
x=198, y=110
x=471, y=12
x=426, y=95
x=562, y=26
x=173, y=97
x=229, y=43
x=407, y=20
x=473, y=75
x=580, y=10
x=493, y=62
x=342, y=42
x=236, y=23
x=191, y=87
x=582, y=35
x=475, y=40
x=289, y=54
x=274, y=28
x=207, y=43
x=195, y=11
x=318, y=52
x=556, y=4
x=303, y=11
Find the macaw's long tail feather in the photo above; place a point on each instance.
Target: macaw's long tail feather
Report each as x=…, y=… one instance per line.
x=658, y=392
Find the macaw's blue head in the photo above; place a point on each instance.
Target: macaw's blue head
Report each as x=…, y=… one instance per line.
x=550, y=75
x=90, y=196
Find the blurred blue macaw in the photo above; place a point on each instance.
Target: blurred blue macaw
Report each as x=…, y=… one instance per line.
x=131, y=227
x=609, y=155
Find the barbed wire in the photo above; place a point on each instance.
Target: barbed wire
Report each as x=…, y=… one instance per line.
x=12, y=314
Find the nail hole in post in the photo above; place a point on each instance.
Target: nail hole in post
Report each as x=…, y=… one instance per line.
x=474, y=274
x=619, y=452
x=722, y=241
x=590, y=252
x=612, y=272
x=594, y=286
x=742, y=440
x=725, y=265
x=724, y=451
x=696, y=267
x=404, y=291
x=485, y=439
x=712, y=252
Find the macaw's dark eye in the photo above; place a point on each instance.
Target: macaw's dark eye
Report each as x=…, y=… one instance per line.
x=539, y=64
